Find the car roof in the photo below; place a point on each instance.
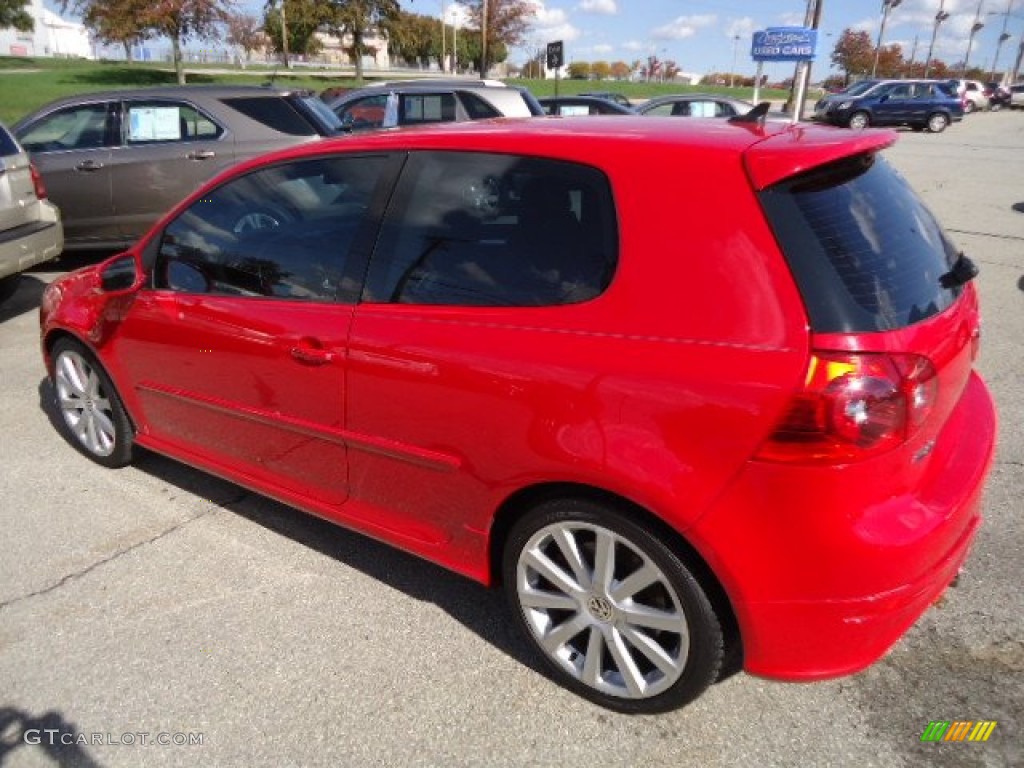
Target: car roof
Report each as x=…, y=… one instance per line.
x=771, y=151
x=171, y=92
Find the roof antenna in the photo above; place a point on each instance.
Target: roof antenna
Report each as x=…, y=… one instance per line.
x=756, y=115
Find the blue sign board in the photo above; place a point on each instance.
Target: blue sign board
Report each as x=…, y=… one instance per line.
x=784, y=44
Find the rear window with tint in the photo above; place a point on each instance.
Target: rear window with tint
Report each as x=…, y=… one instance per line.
x=274, y=112
x=866, y=253
x=7, y=145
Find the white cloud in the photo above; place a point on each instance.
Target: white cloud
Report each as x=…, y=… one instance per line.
x=743, y=27
x=683, y=27
x=552, y=24
x=634, y=45
x=605, y=7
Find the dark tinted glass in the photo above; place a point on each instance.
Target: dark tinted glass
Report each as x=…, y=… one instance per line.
x=477, y=108
x=417, y=108
x=7, y=145
x=284, y=231
x=495, y=230
x=274, y=112
x=866, y=253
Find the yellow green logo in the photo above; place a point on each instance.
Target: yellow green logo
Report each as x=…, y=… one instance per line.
x=958, y=730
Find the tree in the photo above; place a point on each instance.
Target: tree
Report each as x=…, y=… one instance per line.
x=890, y=61
x=601, y=70
x=579, y=70
x=180, y=20
x=620, y=70
x=505, y=26
x=303, y=18
x=356, y=18
x=854, y=53
x=120, y=22
x=670, y=70
x=13, y=14
x=245, y=31
x=535, y=67
x=413, y=38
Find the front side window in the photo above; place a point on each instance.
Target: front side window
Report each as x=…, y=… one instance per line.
x=364, y=114
x=162, y=121
x=284, y=232
x=79, y=127
x=475, y=229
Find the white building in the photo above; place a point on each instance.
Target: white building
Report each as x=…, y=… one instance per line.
x=52, y=36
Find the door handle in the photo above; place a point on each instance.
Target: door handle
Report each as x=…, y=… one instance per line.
x=88, y=165
x=201, y=154
x=311, y=352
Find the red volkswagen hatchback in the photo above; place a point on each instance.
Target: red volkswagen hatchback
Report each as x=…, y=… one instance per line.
x=700, y=396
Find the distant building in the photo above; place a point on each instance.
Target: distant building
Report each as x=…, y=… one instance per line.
x=52, y=36
x=335, y=49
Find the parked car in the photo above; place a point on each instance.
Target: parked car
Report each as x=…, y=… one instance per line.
x=582, y=105
x=998, y=96
x=919, y=104
x=418, y=102
x=30, y=226
x=115, y=162
x=972, y=94
x=618, y=98
x=758, y=442
x=694, y=105
x=1017, y=95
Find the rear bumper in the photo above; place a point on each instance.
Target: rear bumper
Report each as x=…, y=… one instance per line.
x=31, y=244
x=840, y=566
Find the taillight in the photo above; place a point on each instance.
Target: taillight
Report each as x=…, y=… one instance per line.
x=37, y=181
x=854, y=405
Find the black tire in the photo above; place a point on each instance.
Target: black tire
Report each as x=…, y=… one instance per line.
x=859, y=120
x=969, y=107
x=917, y=128
x=592, y=625
x=89, y=409
x=937, y=122
x=9, y=287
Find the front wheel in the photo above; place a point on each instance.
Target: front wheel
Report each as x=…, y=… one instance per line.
x=613, y=611
x=91, y=413
x=858, y=120
x=937, y=123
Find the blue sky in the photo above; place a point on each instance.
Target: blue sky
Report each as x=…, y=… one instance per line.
x=699, y=35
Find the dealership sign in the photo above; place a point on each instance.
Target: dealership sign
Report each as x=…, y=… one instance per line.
x=784, y=44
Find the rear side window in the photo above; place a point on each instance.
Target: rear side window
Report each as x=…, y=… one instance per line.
x=418, y=108
x=167, y=121
x=866, y=253
x=477, y=108
x=274, y=112
x=474, y=229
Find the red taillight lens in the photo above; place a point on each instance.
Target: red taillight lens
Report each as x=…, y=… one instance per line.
x=37, y=181
x=852, y=406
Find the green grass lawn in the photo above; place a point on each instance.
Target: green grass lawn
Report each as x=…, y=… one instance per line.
x=27, y=83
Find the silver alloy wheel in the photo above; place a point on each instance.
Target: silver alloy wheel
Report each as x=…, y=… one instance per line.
x=937, y=123
x=84, y=405
x=858, y=121
x=602, y=610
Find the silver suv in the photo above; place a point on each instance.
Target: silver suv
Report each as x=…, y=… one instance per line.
x=30, y=226
x=443, y=100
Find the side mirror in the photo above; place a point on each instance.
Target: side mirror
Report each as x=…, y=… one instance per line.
x=120, y=275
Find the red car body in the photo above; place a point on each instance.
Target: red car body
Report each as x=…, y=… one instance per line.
x=433, y=427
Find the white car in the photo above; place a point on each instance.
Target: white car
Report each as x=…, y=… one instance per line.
x=30, y=225
x=972, y=94
x=1017, y=96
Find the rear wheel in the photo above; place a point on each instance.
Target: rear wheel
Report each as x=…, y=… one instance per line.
x=615, y=614
x=91, y=413
x=937, y=123
x=859, y=120
x=969, y=107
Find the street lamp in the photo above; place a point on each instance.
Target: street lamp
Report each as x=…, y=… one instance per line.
x=1003, y=35
x=975, y=28
x=940, y=17
x=735, y=47
x=887, y=5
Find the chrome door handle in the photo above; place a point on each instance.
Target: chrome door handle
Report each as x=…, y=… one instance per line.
x=88, y=165
x=201, y=154
x=311, y=355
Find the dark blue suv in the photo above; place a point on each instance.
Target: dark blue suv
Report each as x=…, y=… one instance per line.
x=921, y=104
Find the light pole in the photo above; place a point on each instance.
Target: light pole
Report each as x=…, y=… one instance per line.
x=735, y=48
x=455, y=44
x=887, y=5
x=940, y=17
x=1003, y=37
x=444, y=51
x=975, y=28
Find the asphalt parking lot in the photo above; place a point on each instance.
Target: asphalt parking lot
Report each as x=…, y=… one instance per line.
x=156, y=603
